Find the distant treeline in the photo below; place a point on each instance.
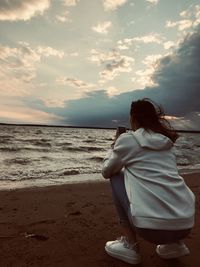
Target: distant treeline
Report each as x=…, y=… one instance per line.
x=84, y=127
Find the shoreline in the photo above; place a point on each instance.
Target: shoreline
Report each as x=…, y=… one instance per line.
x=68, y=225
x=71, y=179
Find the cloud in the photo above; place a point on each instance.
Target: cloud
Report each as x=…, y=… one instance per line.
x=150, y=38
x=153, y=2
x=103, y=27
x=113, y=62
x=70, y=2
x=47, y=51
x=73, y=82
x=113, y=4
x=18, y=63
x=111, y=90
x=197, y=15
x=190, y=18
x=22, y=114
x=169, y=44
x=18, y=66
x=146, y=39
x=22, y=9
x=177, y=78
x=114, y=68
x=181, y=24
x=63, y=17
x=101, y=57
x=145, y=76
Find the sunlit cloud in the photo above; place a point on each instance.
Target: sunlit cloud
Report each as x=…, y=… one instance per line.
x=21, y=60
x=18, y=63
x=181, y=24
x=113, y=62
x=73, y=82
x=191, y=12
x=64, y=17
x=18, y=66
x=70, y=2
x=197, y=15
x=150, y=38
x=145, y=76
x=22, y=9
x=191, y=18
x=152, y=60
x=100, y=57
x=114, y=68
x=113, y=4
x=47, y=51
x=186, y=13
x=154, y=2
x=102, y=27
x=169, y=44
x=145, y=39
x=111, y=90
x=23, y=114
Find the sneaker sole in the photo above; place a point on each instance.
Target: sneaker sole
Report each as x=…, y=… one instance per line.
x=122, y=257
x=175, y=254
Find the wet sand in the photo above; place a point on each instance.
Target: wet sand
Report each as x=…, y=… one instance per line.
x=68, y=225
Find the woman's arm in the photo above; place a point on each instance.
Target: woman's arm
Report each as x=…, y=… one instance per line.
x=112, y=163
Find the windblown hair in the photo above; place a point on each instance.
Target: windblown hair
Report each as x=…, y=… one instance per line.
x=151, y=116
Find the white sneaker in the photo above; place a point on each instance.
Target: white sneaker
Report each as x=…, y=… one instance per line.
x=173, y=250
x=122, y=250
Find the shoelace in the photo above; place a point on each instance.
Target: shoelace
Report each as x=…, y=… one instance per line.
x=126, y=244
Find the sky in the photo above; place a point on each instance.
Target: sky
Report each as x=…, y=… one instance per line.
x=82, y=62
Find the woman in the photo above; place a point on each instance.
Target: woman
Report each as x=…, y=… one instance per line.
x=151, y=199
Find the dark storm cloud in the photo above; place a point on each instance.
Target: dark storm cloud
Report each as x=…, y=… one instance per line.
x=178, y=77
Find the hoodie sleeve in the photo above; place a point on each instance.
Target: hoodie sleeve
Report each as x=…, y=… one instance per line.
x=117, y=158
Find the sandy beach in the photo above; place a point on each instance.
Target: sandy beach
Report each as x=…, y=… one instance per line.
x=68, y=225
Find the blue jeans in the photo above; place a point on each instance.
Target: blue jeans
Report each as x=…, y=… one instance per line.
x=121, y=200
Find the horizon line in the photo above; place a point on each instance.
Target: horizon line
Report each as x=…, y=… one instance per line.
x=84, y=127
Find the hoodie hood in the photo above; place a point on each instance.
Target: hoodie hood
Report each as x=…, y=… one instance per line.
x=152, y=140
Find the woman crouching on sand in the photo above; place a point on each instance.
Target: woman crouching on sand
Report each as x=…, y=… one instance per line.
x=151, y=199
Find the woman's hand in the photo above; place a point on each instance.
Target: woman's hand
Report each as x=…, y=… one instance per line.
x=119, y=131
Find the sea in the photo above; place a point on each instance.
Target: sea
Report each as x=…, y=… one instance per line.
x=40, y=156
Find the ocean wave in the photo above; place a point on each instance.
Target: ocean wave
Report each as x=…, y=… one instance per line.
x=108, y=139
x=38, y=132
x=10, y=149
x=83, y=149
x=90, y=141
x=70, y=172
x=63, y=144
x=41, y=143
x=36, y=149
x=36, y=142
x=73, y=149
x=5, y=138
x=91, y=148
x=96, y=158
x=21, y=161
x=19, y=149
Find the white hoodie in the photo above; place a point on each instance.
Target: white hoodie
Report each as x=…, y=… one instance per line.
x=159, y=197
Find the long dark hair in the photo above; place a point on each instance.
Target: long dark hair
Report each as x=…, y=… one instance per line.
x=150, y=116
